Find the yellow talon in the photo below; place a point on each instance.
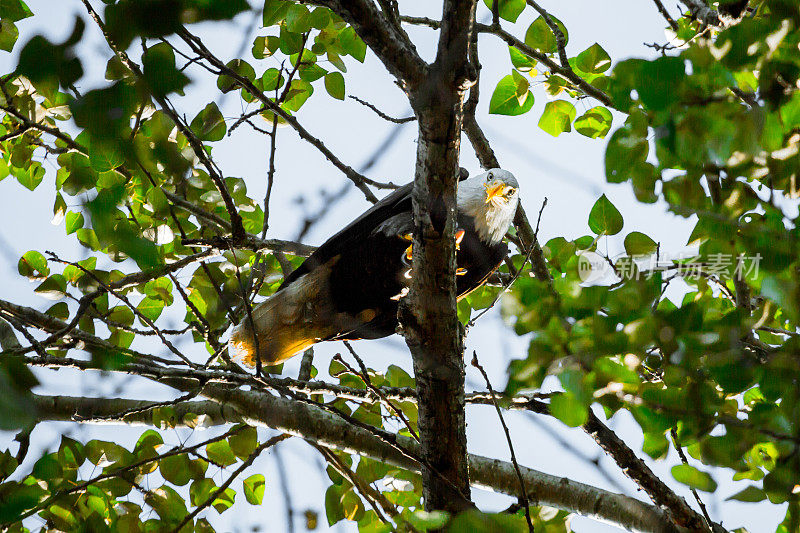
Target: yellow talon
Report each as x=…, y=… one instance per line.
x=459, y=237
x=409, y=251
x=461, y=271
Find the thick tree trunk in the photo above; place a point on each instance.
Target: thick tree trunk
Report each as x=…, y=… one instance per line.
x=430, y=323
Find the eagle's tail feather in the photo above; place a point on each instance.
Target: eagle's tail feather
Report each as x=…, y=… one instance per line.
x=288, y=322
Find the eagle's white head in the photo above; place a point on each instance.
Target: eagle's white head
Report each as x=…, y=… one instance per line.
x=491, y=200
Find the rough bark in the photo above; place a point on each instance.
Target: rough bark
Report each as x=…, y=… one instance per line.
x=429, y=320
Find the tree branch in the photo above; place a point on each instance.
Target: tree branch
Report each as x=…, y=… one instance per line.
x=561, y=41
x=386, y=40
x=428, y=314
x=313, y=423
x=237, y=229
x=566, y=72
x=359, y=180
x=702, y=12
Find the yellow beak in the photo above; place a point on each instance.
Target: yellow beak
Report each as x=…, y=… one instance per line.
x=494, y=190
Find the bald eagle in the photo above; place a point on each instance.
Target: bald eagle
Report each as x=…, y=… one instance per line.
x=349, y=288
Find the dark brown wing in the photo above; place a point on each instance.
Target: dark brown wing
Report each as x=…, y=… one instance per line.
x=357, y=231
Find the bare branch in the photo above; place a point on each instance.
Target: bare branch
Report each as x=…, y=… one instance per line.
x=381, y=114
x=359, y=180
x=666, y=15
x=676, y=442
x=523, y=492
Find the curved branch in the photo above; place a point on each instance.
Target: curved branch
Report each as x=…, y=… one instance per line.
x=313, y=423
x=566, y=72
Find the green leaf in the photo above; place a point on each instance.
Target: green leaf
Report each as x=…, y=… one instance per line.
x=274, y=11
x=289, y=42
x=595, y=123
x=224, y=501
x=352, y=44
x=150, y=308
x=220, y=453
x=541, y=37
x=271, y=79
x=508, y=9
x=149, y=440
x=53, y=288
x=593, y=60
x=14, y=10
x=299, y=92
x=334, y=84
x=209, y=124
x=557, y=117
x=569, y=409
x=168, y=504
x=689, y=475
x=520, y=61
x=201, y=490
x=59, y=310
x=8, y=34
x=47, y=65
x=160, y=72
x=637, y=243
x=476, y=521
x=241, y=67
x=511, y=96
x=244, y=442
x=175, y=469
x=333, y=505
x=74, y=222
x=604, y=218
x=30, y=177
x=33, y=265
x=122, y=314
x=254, y=489
x=297, y=18
x=659, y=81
x=750, y=494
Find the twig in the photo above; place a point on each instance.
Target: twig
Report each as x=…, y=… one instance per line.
x=518, y=272
x=249, y=313
x=305, y=365
x=666, y=15
x=364, y=375
x=287, y=493
x=523, y=490
x=561, y=40
x=237, y=228
x=362, y=182
x=567, y=73
x=702, y=12
x=126, y=301
x=381, y=114
x=245, y=464
x=376, y=500
x=674, y=433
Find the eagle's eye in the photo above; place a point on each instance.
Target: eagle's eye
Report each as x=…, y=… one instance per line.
x=511, y=191
x=489, y=176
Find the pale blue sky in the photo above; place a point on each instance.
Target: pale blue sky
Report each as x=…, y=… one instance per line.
x=568, y=170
